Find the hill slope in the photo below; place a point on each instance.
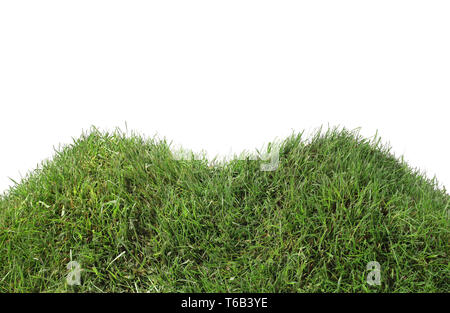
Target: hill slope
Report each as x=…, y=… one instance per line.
x=137, y=219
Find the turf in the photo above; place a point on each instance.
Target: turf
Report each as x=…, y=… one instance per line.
x=139, y=220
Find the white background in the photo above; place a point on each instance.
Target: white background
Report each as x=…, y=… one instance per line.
x=224, y=76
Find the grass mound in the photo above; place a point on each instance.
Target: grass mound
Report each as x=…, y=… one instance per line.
x=137, y=220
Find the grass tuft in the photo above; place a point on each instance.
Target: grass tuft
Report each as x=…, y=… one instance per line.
x=139, y=220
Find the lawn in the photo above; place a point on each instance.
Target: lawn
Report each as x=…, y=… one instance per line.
x=138, y=219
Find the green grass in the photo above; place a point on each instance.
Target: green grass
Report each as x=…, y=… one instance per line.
x=336, y=202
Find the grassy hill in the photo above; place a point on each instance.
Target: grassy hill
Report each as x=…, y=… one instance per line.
x=139, y=220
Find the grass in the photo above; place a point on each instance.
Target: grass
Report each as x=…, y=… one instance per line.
x=138, y=220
